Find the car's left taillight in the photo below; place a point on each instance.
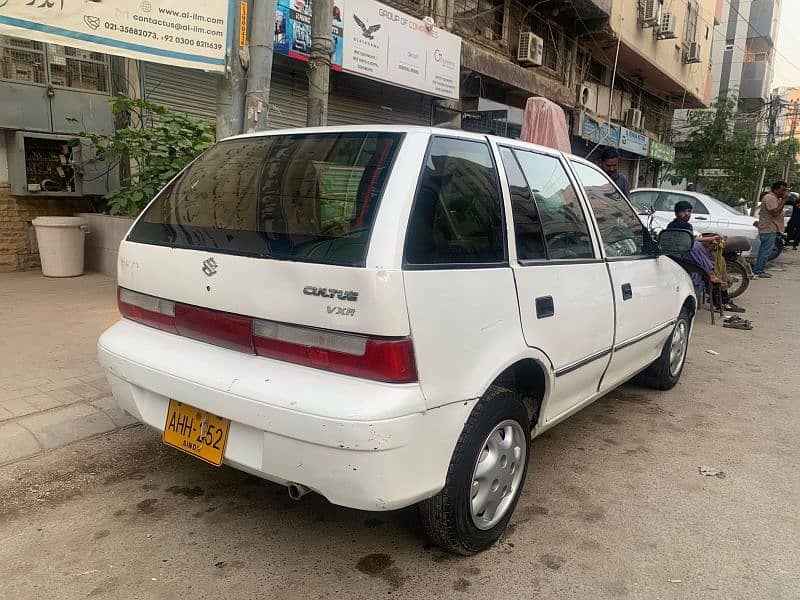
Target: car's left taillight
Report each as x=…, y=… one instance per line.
x=147, y=310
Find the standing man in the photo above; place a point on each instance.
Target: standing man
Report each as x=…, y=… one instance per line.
x=609, y=162
x=770, y=224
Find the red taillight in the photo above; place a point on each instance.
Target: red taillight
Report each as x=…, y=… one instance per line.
x=215, y=327
x=147, y=310
x=379, y=359
x=391, y=361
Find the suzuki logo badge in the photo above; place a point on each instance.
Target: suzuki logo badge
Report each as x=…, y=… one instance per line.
x=210, y=266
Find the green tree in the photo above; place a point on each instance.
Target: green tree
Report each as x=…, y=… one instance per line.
x=157, y=142
x=725, y=163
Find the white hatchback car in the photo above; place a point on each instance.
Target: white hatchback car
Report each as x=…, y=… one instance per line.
x=387, y=315
x=709, y=215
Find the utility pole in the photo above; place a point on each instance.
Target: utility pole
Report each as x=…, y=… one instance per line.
x=231, y=86
x=793, y=114
x=319, y=62
x=774, y=108
x=259, y=74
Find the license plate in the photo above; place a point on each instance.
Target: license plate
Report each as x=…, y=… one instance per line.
x=196, y=432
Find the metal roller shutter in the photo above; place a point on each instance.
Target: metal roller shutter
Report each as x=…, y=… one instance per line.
x=356, y=100
x=182, y=90
x=288, y=98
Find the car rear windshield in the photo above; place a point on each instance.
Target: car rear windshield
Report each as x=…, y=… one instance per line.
x=301, y=197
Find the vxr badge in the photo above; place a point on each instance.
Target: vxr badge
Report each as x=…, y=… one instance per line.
x=210, y=266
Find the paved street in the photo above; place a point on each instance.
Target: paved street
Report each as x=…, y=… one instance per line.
x=615, y=505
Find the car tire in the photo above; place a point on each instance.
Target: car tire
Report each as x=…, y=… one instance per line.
x=665, y=372
x=488, y=468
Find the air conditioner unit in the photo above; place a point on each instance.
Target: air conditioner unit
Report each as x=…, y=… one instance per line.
x=530, y=50
x=633, y=118
x=669, y=25
x=648, y=13
x=693, y=54
x=583, y=96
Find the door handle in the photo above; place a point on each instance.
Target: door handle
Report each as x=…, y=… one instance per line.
x=627, y=291
x=545, y=307
x=702, y=218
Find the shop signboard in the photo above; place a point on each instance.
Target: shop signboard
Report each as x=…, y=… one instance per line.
x=606, y=134
x=662, y=152
x=633, y=141
x=387, y=45
x=293, y=30
x=186, y=33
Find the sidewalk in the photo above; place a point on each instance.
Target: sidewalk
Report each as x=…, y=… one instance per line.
x=52, y=390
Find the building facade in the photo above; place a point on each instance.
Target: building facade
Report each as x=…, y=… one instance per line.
x=744, y=57
x=618, y=68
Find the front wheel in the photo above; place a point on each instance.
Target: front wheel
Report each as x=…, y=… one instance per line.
x=738, y=280
x=485, y=478
x=666, y=371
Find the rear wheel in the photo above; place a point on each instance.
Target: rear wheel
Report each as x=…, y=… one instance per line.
x=738, y=281
x=485, y=478
x=666, y=371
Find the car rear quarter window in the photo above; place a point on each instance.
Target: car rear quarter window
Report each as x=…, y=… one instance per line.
x=301, y=197
x=457, y=218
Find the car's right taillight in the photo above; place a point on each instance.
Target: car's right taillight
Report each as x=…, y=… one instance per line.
x=380, y=359
x=147, y=310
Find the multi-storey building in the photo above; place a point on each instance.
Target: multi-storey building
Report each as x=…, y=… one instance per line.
x=617, y=67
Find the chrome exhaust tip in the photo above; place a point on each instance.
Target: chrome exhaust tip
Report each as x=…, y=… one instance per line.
x=297, y=491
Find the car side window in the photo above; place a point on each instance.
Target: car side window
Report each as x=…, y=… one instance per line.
x=527, y=224
x=563, y=222
x=667, y=201
x=458, y=212
x=622, y=232
x=643, y=202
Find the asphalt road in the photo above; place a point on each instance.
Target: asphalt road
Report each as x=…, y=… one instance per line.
x=614, y=506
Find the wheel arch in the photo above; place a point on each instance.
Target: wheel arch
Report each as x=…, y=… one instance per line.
x=530, y=379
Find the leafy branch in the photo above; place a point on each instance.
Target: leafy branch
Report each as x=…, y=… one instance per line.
x=165, y=143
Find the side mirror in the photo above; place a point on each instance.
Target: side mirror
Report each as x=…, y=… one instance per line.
x=675, y=241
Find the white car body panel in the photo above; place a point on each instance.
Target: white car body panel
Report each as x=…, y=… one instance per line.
x=720, y=219
x=366, y=444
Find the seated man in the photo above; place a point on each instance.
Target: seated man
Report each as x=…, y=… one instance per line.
x=700, y=254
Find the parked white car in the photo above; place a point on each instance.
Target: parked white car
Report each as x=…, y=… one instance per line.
x=387, y=315
x=709, y=215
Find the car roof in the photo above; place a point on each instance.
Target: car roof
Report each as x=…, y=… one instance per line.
x=447, y=132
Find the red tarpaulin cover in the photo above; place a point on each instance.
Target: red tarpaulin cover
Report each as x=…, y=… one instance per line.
x=545, y=123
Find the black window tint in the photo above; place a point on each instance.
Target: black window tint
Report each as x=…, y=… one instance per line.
x=667, y=202
x=621, y=230
x=301, y=197
x=457, y=215
x=563, y=221
x=527, y=225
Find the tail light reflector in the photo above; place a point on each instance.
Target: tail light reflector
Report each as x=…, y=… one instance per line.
x=148, y=310
x=381, y=359
x=389, y=360
x=215, y=327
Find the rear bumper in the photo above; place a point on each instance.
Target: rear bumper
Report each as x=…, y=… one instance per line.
x=361, y=444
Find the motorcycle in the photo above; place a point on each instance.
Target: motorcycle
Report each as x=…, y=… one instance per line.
x=738, y=277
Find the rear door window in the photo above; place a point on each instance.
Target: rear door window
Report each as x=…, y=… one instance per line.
x=566, y=230
x=458, y=212
x=302, y=197
x=667, y=201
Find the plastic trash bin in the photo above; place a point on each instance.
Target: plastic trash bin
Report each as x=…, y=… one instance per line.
x=61, y=245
